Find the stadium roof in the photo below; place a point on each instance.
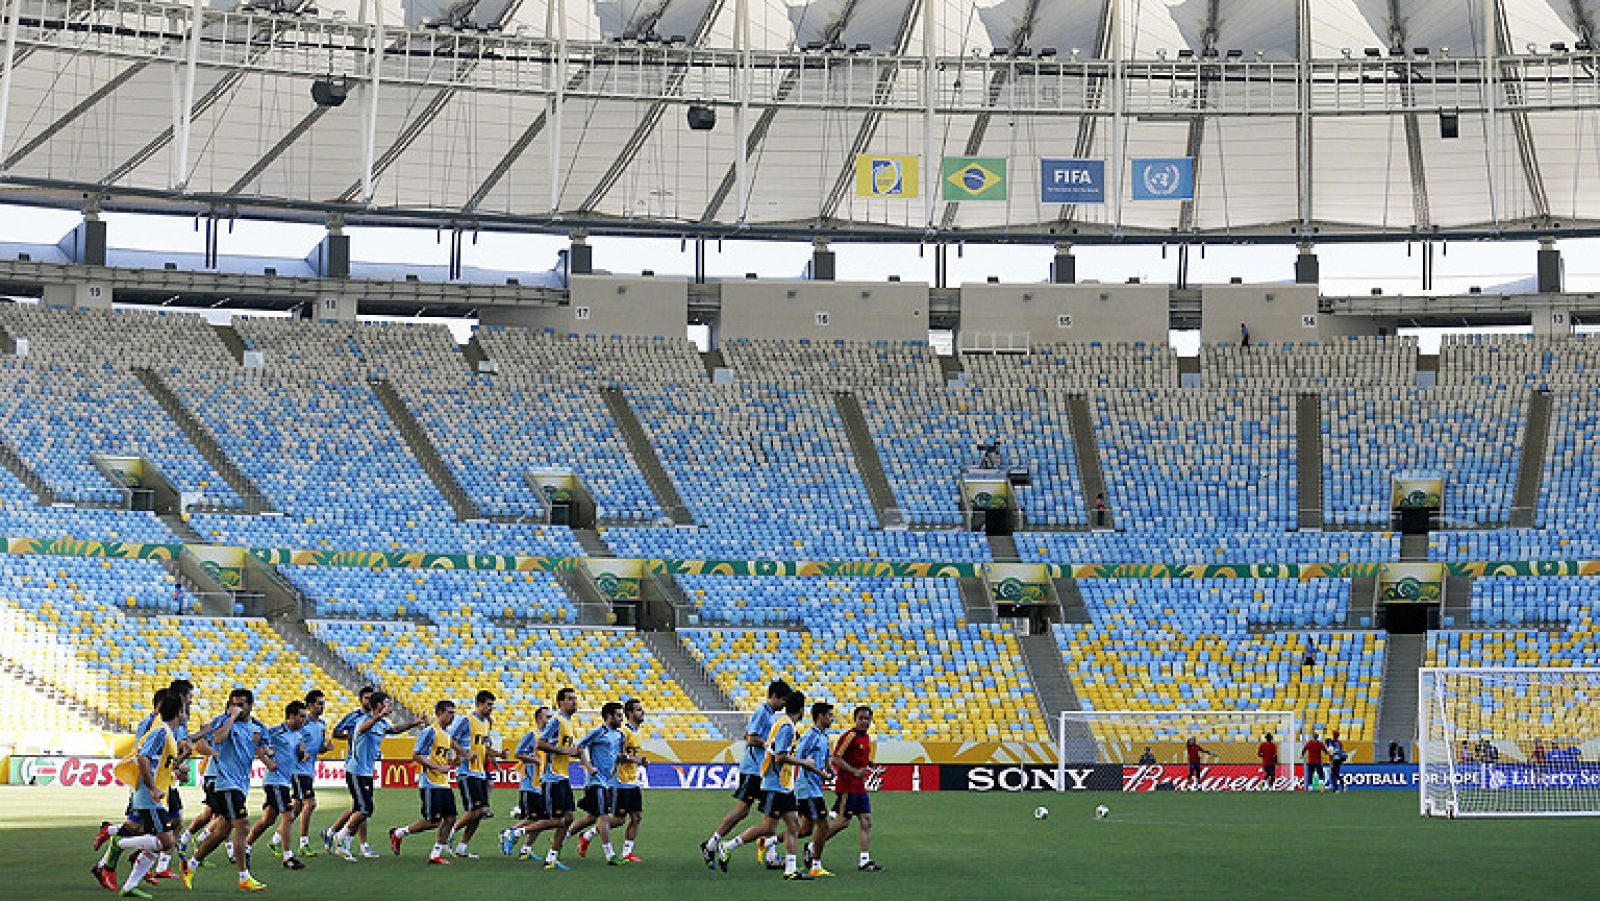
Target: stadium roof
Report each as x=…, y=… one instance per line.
x=1324, y=120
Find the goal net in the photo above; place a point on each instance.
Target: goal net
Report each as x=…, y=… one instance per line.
x=1148, y=750
x=1504, y=741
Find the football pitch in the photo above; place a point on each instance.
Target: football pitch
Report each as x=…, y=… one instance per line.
x=934, y=845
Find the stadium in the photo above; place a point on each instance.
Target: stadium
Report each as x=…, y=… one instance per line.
x=1006, y=447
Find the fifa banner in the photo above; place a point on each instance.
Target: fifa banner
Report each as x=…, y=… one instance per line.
x=964, y=178
x=1072, y=181
x=886, y=176
x=1416, y=492
x=1410, y=583
x=986, y=493
x=1018, y=583
x=224, y=564
x=1163, y=179
x=618, y=579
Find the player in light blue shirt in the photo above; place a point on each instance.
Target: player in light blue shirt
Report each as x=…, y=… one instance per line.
x=599, y=751
x=360, y=794
x=530, y=800
x=816, y=748
x=286, y=749
x=780, y=770
x=360, y=769
x=305, y=776
x=236, y=739
x=748, y=791
x=147, y=831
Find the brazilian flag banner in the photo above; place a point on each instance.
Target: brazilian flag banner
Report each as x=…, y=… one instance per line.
x=973, y=178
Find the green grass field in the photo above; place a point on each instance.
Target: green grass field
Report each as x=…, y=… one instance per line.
x=1367, y=844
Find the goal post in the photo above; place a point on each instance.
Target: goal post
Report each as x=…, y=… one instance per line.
x=1508, y=741
x=1148, y=749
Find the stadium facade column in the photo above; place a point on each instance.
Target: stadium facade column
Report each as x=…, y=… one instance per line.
x=331, y=257
x=822, y=262
x=580, y=259
x=86, y=243
x=1307, y=271
x=1551, y=273
x=1064, y=269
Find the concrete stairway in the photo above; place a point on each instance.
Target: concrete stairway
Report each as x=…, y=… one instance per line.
x=1530, y=475
x=49, y=694
x=182, y=529
x=712, y=360
x=1362, y=592
x=25, y=474
x=695, y=683
x=1051, y=685
x=868, y=463
x=1003, y=548
x=594, y=608
x=1088, y=454
x=254, y=501
x=422, y=448
x=232, y=340
x=644, y=455
x=593, y=544
x=295, y=634
x=472, y=353
x=1397, y=711
x=1074, y=611
x=1308, y=447
x=975, y=598
x=1413, y=548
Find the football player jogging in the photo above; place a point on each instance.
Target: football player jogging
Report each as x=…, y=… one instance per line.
x=235, y=738
x=627, y=803
x=434, y=752
x=471, y=736
x=184, y=690
x=153, y=774
x=557, y=742
x=305, y=777
x=530, y=798
x=344, y=731
x=598, y=752
x=853, y=756
x=366, y=747
x=748, y=791
x=286, y=747
x=815, y=748
x=779, y=767
x=105, y=871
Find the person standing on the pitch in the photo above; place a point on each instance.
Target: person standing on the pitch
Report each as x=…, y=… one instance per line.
x=1192, y=750
x=1268, y=752
x=1336, y=758
x=1312, y=752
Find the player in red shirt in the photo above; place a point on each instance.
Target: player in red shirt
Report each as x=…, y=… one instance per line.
x=1193, y=750
x=1312, y=752
x=1268, y=752
x=853, y=759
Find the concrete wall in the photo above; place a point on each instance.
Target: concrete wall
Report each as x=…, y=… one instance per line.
x=607, y=305
x=855, y=311
x=77, y=296
x=1274, y=313
x=1343, y=326
x=334, y=308
x=1057, y=314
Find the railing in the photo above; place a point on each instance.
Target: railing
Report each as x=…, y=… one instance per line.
x=995, y=342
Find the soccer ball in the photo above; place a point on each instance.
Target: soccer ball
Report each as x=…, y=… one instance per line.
x=516, y=812
x=1102, y=812
x=1040, y=813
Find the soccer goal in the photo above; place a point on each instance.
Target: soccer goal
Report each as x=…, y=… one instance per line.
x=1508, y=741
x=1147, y=750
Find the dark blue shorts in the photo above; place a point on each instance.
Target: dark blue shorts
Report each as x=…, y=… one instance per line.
x=853, y=805
x=305, y=787
x=749, y=789
x=558, y=799
x=775, y=804
x=437, y=803
x=813, y=809
x=360, y=788
x=627, y=799
x=531, y=804
x=474, y=792
x=151, y=820
x=279, y=798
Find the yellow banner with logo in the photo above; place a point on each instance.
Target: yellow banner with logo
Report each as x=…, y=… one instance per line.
x=886, y=176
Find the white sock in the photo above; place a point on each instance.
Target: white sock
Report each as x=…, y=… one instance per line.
x=202, y=835
x=244, y=874
x=733, y=843
x=275, y=842
x=714, y=841
x=141, y=843
x=552, y=856
x=183, y=837
x=141, y=865
x=788, y=863
x=366, y=848
x=227, y=848
x=627, y=847
x=865, y=857
x=305, y=842
x=461, y=849
x=517, y=832
x=105, y=856
x=342, y=836
x=438, y=850
x=609, y=853
x=403, y=831
x=164, y=862
x=288, y=855
x=589, y=834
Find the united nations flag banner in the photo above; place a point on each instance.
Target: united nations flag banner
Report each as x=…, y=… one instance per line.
x=1168, y=179
x=973, y=178
x=886, y=176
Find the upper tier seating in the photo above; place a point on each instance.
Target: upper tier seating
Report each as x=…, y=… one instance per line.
x=123, y=339
x=1468, y=435
x=342, y=592
x=1186, y=644
x=1220, y=547
x=1080, y=368
x=379, y=350
x=523, y=667
x=57, y=417
x=1350, y=362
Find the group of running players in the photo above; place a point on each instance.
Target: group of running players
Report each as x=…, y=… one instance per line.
x=781, y=769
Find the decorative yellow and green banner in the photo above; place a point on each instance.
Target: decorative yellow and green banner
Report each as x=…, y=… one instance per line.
x=225, y=564
x=619, y=579
x=1413, y=492
x=986, y=494
x=964, y=178
x=557, y=487
x=130, y=468
x=1018, y=583
x=1410, y=583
